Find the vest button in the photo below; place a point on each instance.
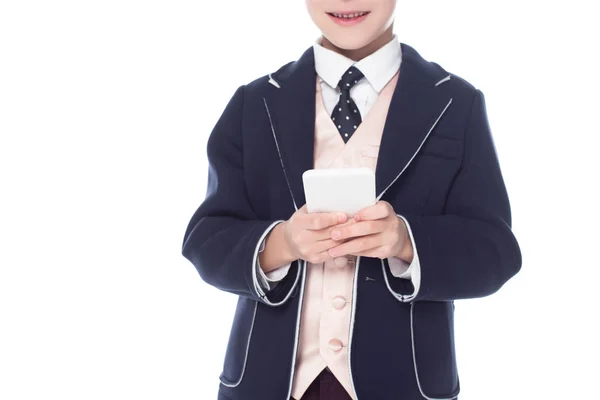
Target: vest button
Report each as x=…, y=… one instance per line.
x=335, y=345
x=338, y=302
x=340, y=261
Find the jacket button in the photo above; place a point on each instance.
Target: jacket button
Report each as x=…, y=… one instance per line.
x=338, y=302
x=335, y=345
x=340, y=261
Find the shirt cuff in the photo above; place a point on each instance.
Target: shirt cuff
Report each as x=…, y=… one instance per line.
x=401, y=269
x=269, y=280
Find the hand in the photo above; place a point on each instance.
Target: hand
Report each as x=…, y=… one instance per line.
x=377, y=232
x=308, y=235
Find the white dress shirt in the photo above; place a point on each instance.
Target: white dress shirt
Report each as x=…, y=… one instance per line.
x=377, y=68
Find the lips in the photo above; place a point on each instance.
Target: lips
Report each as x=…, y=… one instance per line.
x=349, y=15
x=348, y=19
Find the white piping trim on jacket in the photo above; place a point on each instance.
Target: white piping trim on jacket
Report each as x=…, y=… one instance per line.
x=412, y=340
x=279, y=153
x=231, y=385
x=297, y=334
x=443, y=80
x=301, y=299
x=421, y=145
x=403, y=298
x=352, y=315
x=259, y=292
x=273, y=82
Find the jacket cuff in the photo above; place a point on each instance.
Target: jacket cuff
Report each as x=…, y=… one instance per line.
x=261, y=282
x=270, y=279
x=398, y=269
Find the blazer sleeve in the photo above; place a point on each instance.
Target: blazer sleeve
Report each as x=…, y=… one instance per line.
x=223, y=237
x=469, y=251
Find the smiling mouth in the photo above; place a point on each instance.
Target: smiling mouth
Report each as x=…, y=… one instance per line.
x=349, y=16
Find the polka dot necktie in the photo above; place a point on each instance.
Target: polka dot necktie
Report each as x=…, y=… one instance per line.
x=345, y=115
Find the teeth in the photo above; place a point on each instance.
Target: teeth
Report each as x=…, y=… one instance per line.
x=348, y=16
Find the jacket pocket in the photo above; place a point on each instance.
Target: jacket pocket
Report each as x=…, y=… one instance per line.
x=434, y=356
x=442, y=147
x=240, y=336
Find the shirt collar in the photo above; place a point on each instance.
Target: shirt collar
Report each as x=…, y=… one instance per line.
x=378, y=68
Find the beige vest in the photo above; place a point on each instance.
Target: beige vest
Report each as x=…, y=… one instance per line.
x=326, y=308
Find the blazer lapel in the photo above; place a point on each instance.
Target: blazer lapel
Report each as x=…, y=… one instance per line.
x=292, y=112
x=416, y=106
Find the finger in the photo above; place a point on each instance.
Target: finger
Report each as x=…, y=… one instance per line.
x=358, y=229
x=374, y=252
x=379, y=210
x=319, y=253
x=356, y=245
x=320, y=258
x=322, y=234
x=330, y=229
x=324, y=245
x=317, y=221
x=350, y=221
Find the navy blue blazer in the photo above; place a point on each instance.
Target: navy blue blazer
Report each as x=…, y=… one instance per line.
x=437, y=167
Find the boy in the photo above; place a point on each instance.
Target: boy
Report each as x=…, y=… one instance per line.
x=359, y=308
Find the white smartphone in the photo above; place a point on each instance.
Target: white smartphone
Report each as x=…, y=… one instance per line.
x=345, y=190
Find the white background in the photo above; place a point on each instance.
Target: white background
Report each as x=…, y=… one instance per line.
x=105, y=109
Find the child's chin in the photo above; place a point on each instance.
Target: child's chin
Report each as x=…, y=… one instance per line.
x=349, y=40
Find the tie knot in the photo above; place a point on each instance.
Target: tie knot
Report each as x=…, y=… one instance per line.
x=351, y=77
